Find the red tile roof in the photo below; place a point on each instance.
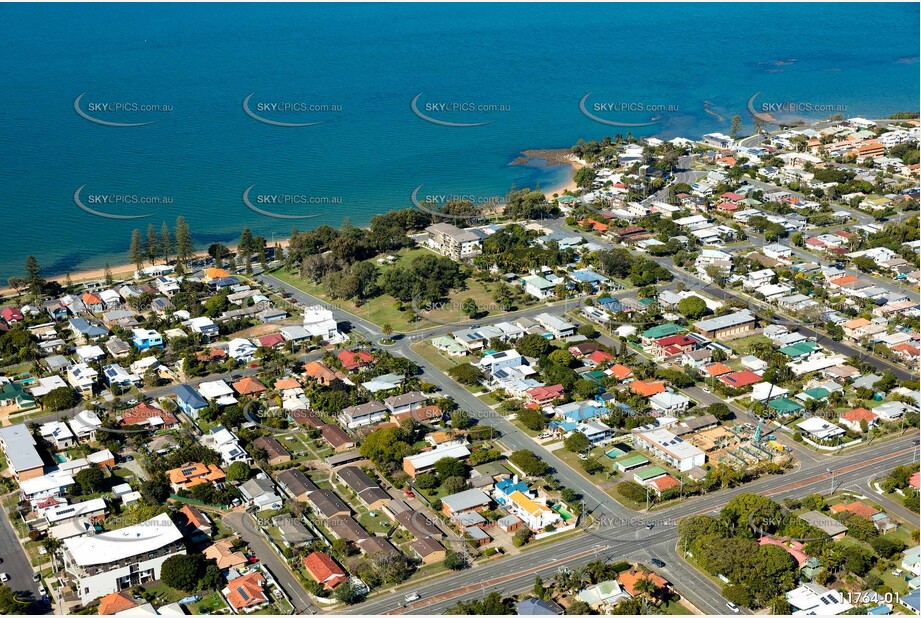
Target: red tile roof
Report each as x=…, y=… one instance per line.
x=270, y=341
x=647, y=389
x=143, y=413
x=248, y=386
x=600, y=357
x=116, y=602
x=324, y=570
x=353, y=360
x=717, y=369
x=857, y=508
x=741, y=379
x=620, y=371
x=859, y=414
x=247, y=591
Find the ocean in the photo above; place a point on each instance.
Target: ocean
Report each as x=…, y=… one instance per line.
x=513, y=74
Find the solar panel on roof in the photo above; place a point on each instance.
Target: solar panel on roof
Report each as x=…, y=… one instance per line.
x=243, y=594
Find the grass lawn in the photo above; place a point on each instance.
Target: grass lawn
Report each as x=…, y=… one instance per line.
x=743, y=344
x=210, y=604
x=383, y=309
x=443, y=363
x=674, y=608
x=606, y=481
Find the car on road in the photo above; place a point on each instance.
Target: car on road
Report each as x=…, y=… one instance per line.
x=733, y=607
x=657, y=563
x=650, y=525
x=705, y=389
x=4, y=577
x=408, y=494
x=132, y=402
x=36, y=577
x=414, y=596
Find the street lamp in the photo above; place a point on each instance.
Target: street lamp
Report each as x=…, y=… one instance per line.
x=832, y=472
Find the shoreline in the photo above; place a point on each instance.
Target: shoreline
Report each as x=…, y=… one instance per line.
x=125, y=272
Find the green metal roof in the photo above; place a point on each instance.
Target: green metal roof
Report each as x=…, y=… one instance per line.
x=817, y=393
x=649, y=473
x=785, y=405
x=799, y=349
x=632, y=462
x=663, y=330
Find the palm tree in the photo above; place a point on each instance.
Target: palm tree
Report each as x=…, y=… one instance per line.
x=646, y=587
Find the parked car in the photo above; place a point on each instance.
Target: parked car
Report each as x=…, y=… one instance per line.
x=4, y=577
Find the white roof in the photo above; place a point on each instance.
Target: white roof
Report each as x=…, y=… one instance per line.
x=670, y=443
x=820, y=428
x=214, y=389
x=124, y=543
x=424, y=460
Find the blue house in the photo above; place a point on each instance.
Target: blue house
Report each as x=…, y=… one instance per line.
x=189, y=401
x=506, y=487
x=611, y=304
x=145, y=339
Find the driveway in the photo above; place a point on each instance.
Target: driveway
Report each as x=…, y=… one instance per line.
x=270, y=560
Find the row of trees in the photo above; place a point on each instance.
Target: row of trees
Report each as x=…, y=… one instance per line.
x=153, y=246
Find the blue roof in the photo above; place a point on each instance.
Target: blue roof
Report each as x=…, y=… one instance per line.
x=189, y=396
x=589, y=276
x=90, y=330
x=507, y=487
x=611, y=304
x=913, y=599
x=537, y=607
x=585, y=413
x=879, y=610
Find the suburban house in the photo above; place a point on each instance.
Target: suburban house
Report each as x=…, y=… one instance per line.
x=324, y=570
x=422, y=462
x=727, y=326
x=368, y=491
x=23, y=458
x=362, y=414
x=670, y=448
x=274, y=451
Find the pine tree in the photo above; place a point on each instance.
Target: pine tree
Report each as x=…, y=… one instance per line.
x=735, y=126
x=136, y=252
x=185, y=249
x=108, y=274
x=153, y=244
x=166, y=245
x=34, y=275
x=245, y=249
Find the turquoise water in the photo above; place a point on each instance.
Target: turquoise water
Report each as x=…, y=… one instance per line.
x=365, y=63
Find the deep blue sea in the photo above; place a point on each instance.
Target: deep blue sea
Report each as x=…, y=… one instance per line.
x=362, y=65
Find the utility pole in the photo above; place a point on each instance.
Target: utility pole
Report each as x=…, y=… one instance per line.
x=832, y=472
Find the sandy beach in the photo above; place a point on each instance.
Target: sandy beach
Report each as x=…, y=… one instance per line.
x=553, y=156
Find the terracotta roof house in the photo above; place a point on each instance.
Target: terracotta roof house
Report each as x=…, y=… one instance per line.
x=286, y=384
x=324, y=570
x=741, y=379
x=246, y=592
x=116, y=602
x=248, y=386
x=717, y=369
x=857, y=508
x=270, y=341
x=647, y=389
x=223, y=554
x=599, y=357
x=663, y=483
x=275, y=452
x=192, y=474
x=425, y=413
x=352, y=360
x=793, y=548
x=196, y=521
x=852, y=418
x=583, y=349
x=545, y=394
x=628, y=580
x=146, y=414
x=621, y=372
x=320, y=372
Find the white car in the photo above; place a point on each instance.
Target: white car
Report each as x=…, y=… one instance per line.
x=4, y=577
x=732, y=606
x=409, y=598
x=705, y=389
